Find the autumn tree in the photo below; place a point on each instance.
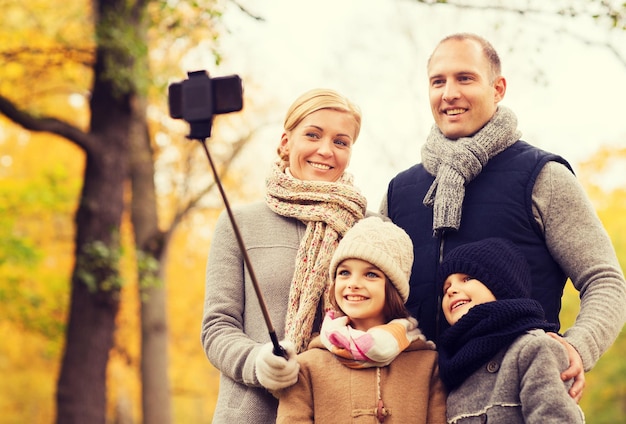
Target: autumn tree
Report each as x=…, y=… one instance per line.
x=95, y=279
x=119, y=156
x=102, y=55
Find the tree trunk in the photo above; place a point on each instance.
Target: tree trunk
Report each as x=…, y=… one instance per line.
x=81, y=391
x=156, y=396
x=81, y=395
x=149, y=241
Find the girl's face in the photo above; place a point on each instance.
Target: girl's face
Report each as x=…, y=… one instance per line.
x=460, y=293
x=319, y=148
x=360, y=293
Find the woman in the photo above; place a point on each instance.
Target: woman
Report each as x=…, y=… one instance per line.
x=290, y=238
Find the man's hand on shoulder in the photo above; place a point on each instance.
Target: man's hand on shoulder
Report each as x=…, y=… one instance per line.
x=575, y=370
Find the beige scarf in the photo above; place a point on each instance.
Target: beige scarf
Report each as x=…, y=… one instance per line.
x=328, y=209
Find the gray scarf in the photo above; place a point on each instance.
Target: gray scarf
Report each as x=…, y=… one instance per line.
x=454, y=163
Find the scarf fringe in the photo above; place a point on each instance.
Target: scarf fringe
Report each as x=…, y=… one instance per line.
x=454, y=163
x=328, y=209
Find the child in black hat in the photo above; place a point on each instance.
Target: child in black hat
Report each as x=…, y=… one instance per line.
x=496, y=359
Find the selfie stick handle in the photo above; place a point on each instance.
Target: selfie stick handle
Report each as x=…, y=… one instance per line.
x=278, y=349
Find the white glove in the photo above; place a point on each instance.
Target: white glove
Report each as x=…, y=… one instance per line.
x=275, y=372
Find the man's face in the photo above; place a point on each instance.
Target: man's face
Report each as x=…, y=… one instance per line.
x=463, y=93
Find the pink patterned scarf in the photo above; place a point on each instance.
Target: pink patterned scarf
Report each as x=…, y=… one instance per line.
x=376, y=347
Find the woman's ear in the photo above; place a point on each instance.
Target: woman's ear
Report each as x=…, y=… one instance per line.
x=283, y=147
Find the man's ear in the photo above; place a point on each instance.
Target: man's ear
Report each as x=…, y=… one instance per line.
x=499, y=86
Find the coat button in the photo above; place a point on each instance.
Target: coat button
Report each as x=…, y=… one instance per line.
x=493, y=366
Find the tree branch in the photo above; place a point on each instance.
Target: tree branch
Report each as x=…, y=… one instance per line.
x=54, y=56
x=193, y=202
x=607, y=11
x=246, y=11
x=605, y=45
x=45, y=124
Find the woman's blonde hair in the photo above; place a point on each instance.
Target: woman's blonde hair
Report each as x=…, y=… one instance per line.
x=317, y=99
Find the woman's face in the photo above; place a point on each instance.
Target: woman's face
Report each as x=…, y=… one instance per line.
x=319, y=148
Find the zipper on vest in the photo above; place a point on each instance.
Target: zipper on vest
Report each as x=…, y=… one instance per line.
x=441, y=237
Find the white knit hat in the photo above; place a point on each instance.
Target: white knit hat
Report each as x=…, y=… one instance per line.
x=381, y=243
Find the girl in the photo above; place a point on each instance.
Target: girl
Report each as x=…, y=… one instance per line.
x=370, y=362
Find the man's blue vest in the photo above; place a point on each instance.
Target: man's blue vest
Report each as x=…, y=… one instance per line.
x=497, y=203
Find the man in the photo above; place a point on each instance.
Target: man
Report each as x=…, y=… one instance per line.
x=477, y=179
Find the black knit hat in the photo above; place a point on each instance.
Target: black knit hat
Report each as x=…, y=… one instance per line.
x=496, y=262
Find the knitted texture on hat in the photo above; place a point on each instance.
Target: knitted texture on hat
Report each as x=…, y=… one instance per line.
x=328, y=209
x=454, y=163
x=495, y=262
x=384, y=245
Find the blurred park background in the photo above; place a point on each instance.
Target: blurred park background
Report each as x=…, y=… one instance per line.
x=107, y=210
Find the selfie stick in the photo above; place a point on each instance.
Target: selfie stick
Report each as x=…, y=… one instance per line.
x=278, y=349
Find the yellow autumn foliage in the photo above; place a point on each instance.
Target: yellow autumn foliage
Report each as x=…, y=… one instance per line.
x=39, y=193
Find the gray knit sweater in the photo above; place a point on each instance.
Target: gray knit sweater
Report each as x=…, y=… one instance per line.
x=579, y=243
x=581, y=246
x=233, y=328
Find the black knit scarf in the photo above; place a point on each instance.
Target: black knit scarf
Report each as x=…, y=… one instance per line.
x=481, y=333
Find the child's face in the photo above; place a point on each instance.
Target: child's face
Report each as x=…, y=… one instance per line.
x=360, y=293
x=460, y=293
